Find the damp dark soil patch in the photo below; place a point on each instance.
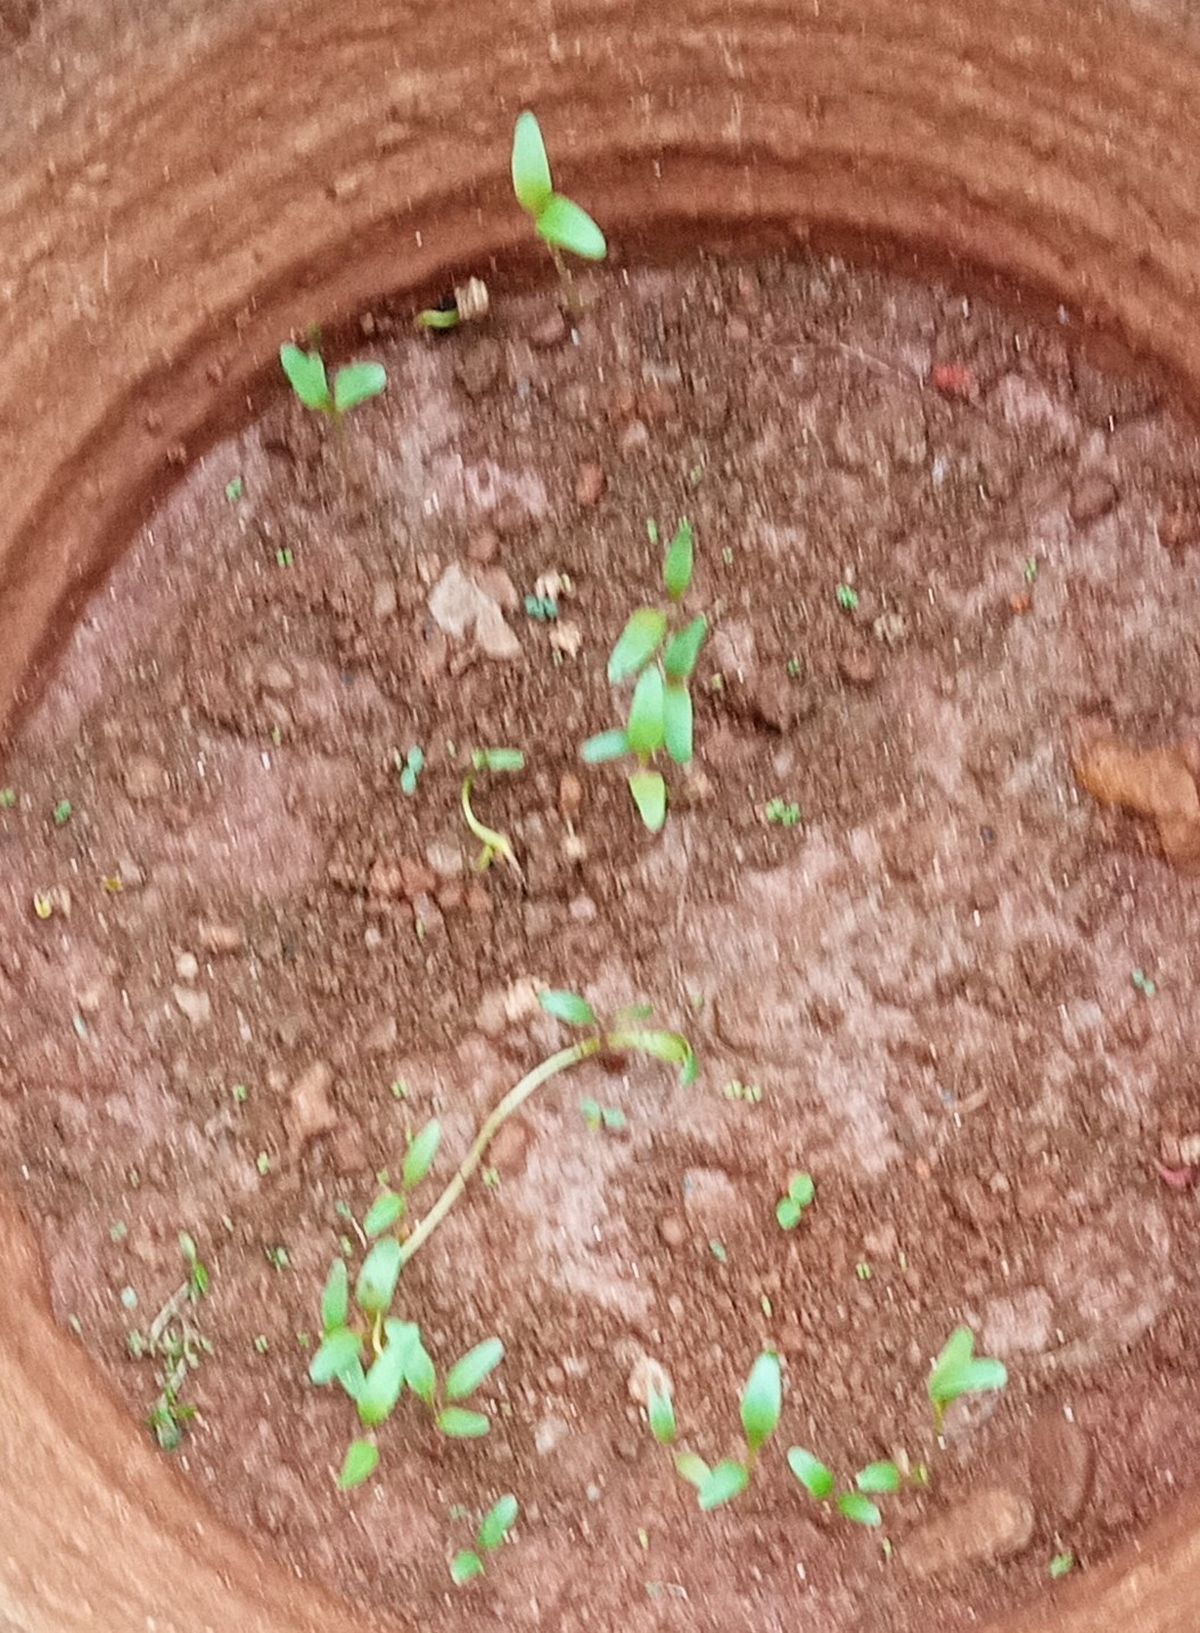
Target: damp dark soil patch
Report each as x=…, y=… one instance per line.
x=930, y=977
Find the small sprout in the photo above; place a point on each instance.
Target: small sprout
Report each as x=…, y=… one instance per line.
x=719, y=1251
x=43, y=907
x=198, y=1276
x=491, y=1178
x=240, y=1094
x=847, y=598
x=63, y=813
x=784, y=813
x=958, y=1372
x=439, y=317
x=816, y=1477
x=1031, y=570
x=362, y=1459
x=494, y=844
x=794, y=668
x=262, y=1344
x=1144, y=984
x=610, y=1118
x=762, y=1402
x=263, y=1163
x=863, y=1271
x=356, y=383
x=1062, y=1565
x=727, y=555
x=878, y=1479
x=751, y=1093
x=8, y=798
x=129, y=1298
x=235, y=490
x=278, y=1258
x=492, y=1534
x=569, y=1008
x=543, y=609
x=661, y=1411
x=727, y=1481
x=410, y=769
x=559, y=220
x=853, y=1506
x=284, y=557
x=118, y=1232
x=790, y=1209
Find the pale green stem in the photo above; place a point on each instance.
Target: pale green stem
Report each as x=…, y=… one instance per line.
x=513, y=1101
x=494, y=844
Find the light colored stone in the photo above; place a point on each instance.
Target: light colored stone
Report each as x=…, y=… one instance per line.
x=193, y=1003
x=312, y=1110
x=456, y=601
x=187, y=967
x=645, y=1375
x=493, y=636
x=550, y=1434
x=143, y=777
x=1019, y=1323
x=986, y=1526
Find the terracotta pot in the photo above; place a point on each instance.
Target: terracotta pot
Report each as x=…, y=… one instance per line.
x=283, y=161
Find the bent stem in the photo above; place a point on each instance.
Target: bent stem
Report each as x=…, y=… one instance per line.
x=494, y=844
x=513, y=1101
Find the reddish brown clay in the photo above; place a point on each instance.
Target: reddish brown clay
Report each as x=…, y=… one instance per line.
x=172, y=208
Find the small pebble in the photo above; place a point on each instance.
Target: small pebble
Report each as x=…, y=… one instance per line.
x=197, y=1006
x=858, y=667
x=312, y=1111
x=672, y=1230
x=187, y=966
x=590, y=484
x=484, y=547
x=635, y=437
x=570, y=796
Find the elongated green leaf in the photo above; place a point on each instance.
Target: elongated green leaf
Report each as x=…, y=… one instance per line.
x=671, y=1047
x=402, y=1335
x=498, y=759
x=464, y=1567
x=878, y=1477
x=461, y=1425
x=566, y=225
x=646, y=729
x=677, y=569
x=639, y=641
x=362, y=1459
x=662, y=1418
x=690, y=1068
x=683, y=653
x=338, y=1350
x=422, y=1150
x=568, y=1007
x=727, y=1481
x=306, y=373
x=530, y=166
x=383, y=1213
x=378, y=1277
x=357, y=383
x=788, y=1212
x=420, y=1373
x=650, y=796
x=353, y=1379
x=605, y=746
x=859, y=1509
x=335, y=1300
x=497, y=1523
x=693, y=1469
x=816, y=1477
x=801, y=1189
x=677, y=722
x=466, y=1375
x=762, y=1400
x=383, y=1387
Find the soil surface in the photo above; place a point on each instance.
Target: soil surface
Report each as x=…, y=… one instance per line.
x=935, y=544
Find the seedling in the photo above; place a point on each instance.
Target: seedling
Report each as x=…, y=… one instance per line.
x=761, y=1405
x=852, y=1503
x=374, y=1356
x=410, y=767
x=596, y=1116
x=660, y=714
x=469, y=302
x=235, y=489
x=1144, y=984
x=63, y=813
x=847, y=598
x=355, y=384
x=790, y=1209
x=1062, y=1565
x=492, y=1534
x=543, y=609
x=8, y=798
x=559, y=221
x=784, y=813
x=173, y=1339
x=494, y=844
x=751, y=1093
x=958, y=1371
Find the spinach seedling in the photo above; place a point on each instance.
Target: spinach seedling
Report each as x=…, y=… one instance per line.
x=784, y=813
x=492, y=1534
x=494, y=844
x=1061, y=1565
x=790, y=1209
x=596, y=1116
x=410, y=767
x=660, y=714
x=853, y=1504
x=847, y=598
x=761, y=1406
x=356, y=383
x=958, y=1371
x=559, y=221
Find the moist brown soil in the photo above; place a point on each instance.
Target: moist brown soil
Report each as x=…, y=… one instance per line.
x=930, y=979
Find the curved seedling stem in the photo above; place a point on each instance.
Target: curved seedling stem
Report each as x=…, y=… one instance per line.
x=494, y=844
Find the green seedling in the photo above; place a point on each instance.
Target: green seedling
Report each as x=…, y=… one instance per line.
x=492, y=1534
x=63, y=812
x=1143, y=984
x=8, y=799
x=790, y=1209
x=1062, y=1565
x=761, y=1406
x=750, y=1093
x=559, y=221
x=853, y=1504
x=543, y=609
x=784, y=813
x=661, y=665
x=469, y=302
x=439, y=318
x=235, y=489
x=494, y=844
x=372, y=1355
x=176, y=1343
x=353, y=385
x=610, y=1118
x=410, y=767
x=847, y=598
x=958, y=1371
